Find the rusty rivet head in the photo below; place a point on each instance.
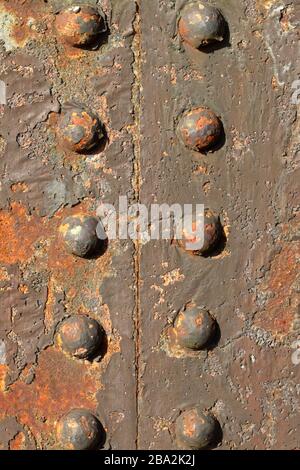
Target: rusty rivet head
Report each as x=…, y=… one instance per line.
x=79, y=430
x=196, y=430
x=194, y=328
x=80, y=25
x=200, y=129
x=81, y=235
x=213, y=232
x=201, y=24
x=80, y=336
x=79, y=130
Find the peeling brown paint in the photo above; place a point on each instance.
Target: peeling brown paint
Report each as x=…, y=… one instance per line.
x=139, y=80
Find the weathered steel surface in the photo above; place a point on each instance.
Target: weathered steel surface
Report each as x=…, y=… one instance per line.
x=41, y=185
x=139, y=79
x=247, y=380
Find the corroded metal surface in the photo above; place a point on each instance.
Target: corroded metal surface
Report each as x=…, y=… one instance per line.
x=42, y=184
x=129, y=77
x=200, y=129
x=247, y=380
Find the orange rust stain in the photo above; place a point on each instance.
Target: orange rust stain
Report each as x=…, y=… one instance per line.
x=19, y=187
x=17, y=443
x=22, y=11
x=206, y=187
x=49, y=307
x=3, y=275
x=267, y=4
x=17, y=226
x=199, y=320
x=71, y=54
x=200, y=170
x=184, y=30
x=189, y=424
x=3, y=372
x=281, y=309
x=24, y=289
x=20, y=33
x=60, y=384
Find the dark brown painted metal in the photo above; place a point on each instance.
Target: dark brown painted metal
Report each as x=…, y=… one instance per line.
x=247, y=380
x=43, y=183
x=137, y=78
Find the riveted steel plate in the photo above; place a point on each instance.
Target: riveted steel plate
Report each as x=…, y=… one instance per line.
x=41, y=185
x=247, y=379
x=138, y=79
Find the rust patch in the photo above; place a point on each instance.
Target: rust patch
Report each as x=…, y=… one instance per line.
x=17, y=225
x=189, y=423
x=18, y=442
x=60, y=385
x=19, y=187
x=23, y=20
x=3, y=373
x=172, y=277
x=281, y=308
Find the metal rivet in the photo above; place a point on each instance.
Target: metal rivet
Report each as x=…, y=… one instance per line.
x=200, y=129
x=81, y=235
x=79, y=130
x=79, y=430
x=80, y=26
x=197, y=430
x=213, y=233
x=194, y=328
x=201, y=24
x=80, y=336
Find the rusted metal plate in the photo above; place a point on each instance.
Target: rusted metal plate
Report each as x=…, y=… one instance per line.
x=94, y=99
x=247, y=379
x=41, y=184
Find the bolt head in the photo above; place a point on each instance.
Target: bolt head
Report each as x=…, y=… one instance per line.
x=79, y=430
x=79, y=233
x=194, y=328
x=212, y=235
x=201, y=24
x=80, y=26
x=200, y=129
x=80, y=336
x=79, y=130
x=196, y=430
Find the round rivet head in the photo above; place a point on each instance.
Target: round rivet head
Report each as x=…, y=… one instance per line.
x=79, y=430
x=200, y=129
x=80, y=234
x=80, y=25
x=194, y=328
x=80, y=336
x=196, y=430
x=212, y=235
x=201, y=24
x=79, y=130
